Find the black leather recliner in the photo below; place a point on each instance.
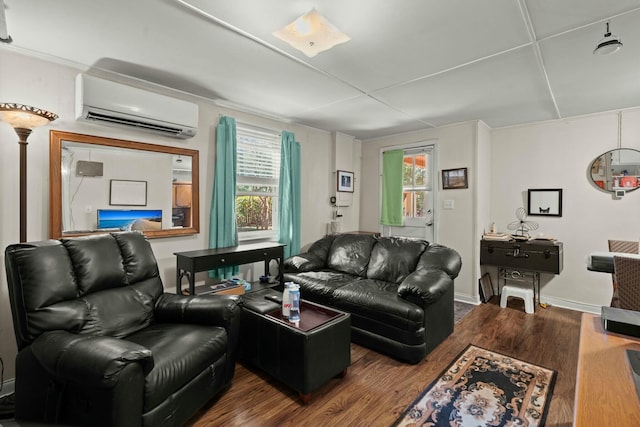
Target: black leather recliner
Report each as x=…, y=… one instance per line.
x=100, y=343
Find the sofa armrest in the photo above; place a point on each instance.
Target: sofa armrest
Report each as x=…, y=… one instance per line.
x=211, y=309
x=95, y=361
x=425, y=285
x=303, y=262
x=441, y=257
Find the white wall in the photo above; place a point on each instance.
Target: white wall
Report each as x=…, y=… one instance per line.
x=559, y=155
x=49, y=85
x=483, y=194
x=456, y=228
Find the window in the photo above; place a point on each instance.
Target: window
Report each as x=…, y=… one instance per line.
x=258, y=173
x=415, y=184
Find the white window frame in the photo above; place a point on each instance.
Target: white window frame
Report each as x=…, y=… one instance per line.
x=408, y=219
x=250, y=131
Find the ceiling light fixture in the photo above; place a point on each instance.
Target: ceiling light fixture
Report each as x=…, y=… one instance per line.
x=608, y=45
x=311, y=34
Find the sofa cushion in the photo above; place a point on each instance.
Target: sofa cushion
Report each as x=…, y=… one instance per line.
x=120, y=312
x=394, y=258
x=97, y=262
x=319, y=286
x=350, y=253
x=379, y=300
x=321, y=248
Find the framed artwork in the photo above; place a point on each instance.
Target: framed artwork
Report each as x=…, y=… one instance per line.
x=454, y=179
x=127, y=193
x=345, y=181
x=544, y=202
x=486, y=287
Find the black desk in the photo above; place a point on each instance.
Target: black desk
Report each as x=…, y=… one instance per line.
x=521, y=261
x=603, y=261
x=191, y=262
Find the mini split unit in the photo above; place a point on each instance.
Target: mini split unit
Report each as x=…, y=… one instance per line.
x=114, y=104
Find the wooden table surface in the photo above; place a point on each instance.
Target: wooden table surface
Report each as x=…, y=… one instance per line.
x=605, y=391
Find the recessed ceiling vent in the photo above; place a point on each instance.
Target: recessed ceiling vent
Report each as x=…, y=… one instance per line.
x=114, y=104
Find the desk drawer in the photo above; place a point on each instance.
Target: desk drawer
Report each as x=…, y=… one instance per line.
x=524, y=256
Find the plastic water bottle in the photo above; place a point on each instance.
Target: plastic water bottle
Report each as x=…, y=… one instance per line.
x=286, y=301
x=294, y=296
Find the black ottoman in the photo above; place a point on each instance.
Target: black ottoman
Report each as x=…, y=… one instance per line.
x=303, y=356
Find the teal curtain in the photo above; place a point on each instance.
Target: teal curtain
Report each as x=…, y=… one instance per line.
x=392, y=187
x=223, y=231
x=289, y=195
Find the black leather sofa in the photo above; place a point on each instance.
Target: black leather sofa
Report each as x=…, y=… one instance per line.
x=101, y=344
x=399, y=291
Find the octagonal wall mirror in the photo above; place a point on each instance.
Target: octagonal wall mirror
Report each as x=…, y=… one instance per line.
x=617, y=170
x=100, y=185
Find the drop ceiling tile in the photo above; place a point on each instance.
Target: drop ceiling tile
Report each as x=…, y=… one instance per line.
x=552, y=17
x=501, y=90
x=426, y=38
x=584, y=83
x=361, y=117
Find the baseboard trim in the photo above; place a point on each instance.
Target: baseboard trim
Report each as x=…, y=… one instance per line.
x=571, y=305
x=466, y=298
x=556, y=302
x=8, y=387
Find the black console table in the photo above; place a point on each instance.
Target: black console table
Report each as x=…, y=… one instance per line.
x=191, y=262
x=518, y=260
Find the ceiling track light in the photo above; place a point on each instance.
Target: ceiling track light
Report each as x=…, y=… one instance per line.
x=608, y=44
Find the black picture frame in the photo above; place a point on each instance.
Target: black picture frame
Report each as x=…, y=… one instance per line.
x=345, y=181
x=454, y=179
x=544, y=202
x=486, y=288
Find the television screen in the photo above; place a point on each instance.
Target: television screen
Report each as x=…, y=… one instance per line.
x=129, y=219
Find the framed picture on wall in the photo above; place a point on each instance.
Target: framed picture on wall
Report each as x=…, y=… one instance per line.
x=128, y=193
x=454, y=179
x=345, y=181
x=544, y=202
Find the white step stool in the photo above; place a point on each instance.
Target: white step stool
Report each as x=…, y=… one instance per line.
x=523, y=292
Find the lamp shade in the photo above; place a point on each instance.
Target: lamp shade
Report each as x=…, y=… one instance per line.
x=24, y=116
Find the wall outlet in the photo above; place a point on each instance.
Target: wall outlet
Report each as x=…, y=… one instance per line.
x=88, y=209
x=448, y=204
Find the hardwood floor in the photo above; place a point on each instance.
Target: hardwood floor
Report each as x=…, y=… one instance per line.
x=377, y=388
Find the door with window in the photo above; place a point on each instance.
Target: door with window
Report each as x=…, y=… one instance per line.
x=418, y=195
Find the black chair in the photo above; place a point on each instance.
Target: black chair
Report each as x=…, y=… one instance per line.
x=100, y=343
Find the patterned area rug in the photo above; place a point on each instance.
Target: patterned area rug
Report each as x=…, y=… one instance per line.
x=484, y=388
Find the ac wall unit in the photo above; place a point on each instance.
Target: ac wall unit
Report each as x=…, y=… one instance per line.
x=115, y=104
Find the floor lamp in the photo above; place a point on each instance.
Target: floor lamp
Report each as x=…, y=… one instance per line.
x=24, y=119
